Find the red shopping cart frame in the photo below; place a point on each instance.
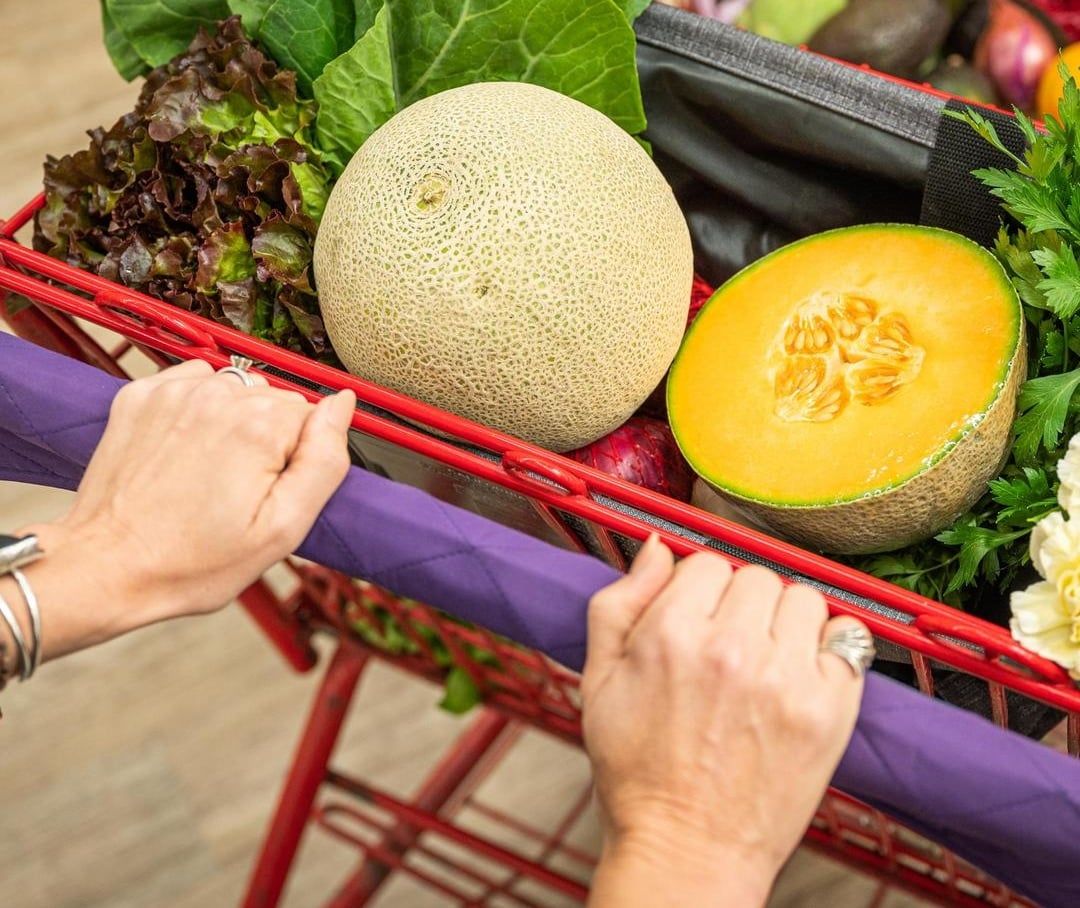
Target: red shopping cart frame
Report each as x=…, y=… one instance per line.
x=931, y=632
x=516, y=685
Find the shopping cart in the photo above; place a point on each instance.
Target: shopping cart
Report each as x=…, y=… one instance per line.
x=519, y=687
x=557, y=500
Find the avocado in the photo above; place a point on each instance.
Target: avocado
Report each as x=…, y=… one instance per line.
x=958, y=77
x=891, y=37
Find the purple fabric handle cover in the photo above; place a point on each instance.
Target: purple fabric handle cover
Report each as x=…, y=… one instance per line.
x=1006, y=804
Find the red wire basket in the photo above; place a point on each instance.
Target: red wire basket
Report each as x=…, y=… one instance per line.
x=566, y=502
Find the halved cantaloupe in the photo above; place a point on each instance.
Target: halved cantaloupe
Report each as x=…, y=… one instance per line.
x=855, y=390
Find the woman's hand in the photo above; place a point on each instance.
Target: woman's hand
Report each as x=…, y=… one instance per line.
x=713, y=724
x=198, y=485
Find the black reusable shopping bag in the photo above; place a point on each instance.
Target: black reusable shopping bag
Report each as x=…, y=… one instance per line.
x=765, y=143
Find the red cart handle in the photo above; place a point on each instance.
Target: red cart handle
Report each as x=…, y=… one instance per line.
x=520, y=464
x=955, y=632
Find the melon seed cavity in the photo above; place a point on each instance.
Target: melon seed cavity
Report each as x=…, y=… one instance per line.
x=837, y=349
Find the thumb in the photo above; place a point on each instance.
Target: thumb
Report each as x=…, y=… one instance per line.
x=615, y=609
x=317, y=466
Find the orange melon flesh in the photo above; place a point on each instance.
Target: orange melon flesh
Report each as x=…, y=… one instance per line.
x=837, y=371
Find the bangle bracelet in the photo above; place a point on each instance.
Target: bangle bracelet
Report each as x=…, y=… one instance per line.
x=35, y=620
x=17, y=635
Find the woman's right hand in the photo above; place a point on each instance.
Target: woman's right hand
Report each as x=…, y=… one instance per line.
x=713, y=724
x=198, y=485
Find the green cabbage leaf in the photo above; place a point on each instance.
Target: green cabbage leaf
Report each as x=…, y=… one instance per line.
x=364, y=60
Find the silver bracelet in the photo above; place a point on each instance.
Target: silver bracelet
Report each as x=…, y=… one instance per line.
x=17, y=634
x=35, y=619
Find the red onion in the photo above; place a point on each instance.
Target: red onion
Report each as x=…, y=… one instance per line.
x=642, y=451
x=724, y=10
x=1014, y=49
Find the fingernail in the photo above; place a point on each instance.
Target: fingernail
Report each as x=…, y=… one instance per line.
x=339, y=410
x=645, y=553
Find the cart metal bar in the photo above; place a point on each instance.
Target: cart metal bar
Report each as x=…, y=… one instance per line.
x=474, y=843
x=463, y=766
x=308, y=771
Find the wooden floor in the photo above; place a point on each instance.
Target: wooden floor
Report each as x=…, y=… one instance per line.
x=143, y=773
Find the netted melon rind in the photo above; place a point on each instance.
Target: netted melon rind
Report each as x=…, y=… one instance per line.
x=508, y=254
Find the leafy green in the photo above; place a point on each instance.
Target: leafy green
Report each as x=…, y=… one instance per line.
x=1043, y=406
x=978, y=555
x=632, y=8
x=1061, y=285
x=988, y=546
x=207, y=195
x=412, y=50
x=375, y=624
x=305, y=35
x=364, y=60
x=346, y=117
x=122, y=53
x=157, y=30
x=461, y=693
x=251, y=13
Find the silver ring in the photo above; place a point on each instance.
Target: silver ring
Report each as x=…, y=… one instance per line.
x=239, y=366
x=855, y=645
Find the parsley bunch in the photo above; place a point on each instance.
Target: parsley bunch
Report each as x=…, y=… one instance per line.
x=988, y=546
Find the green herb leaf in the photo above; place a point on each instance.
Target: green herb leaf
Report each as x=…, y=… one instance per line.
x=984, y=129
x=1042, y=157
x=1062, y=282
x=1023, y=499
x=892, y=564
x=1068, y=106
x=978, y=551
x=1052, y=350
x=1015, y=255
x=1044, y=405
x=1031, y=203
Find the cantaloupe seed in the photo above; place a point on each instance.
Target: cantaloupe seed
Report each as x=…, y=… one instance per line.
x=511, y=255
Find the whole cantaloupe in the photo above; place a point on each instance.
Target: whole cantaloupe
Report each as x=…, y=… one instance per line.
x=509, y=254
